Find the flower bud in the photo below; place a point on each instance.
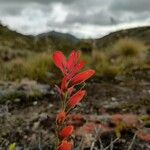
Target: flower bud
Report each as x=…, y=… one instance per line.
x=66, y=132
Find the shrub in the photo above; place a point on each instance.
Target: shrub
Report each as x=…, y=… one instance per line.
x=12, y=70
x=128, y=47
x=107, y=70
x=98, y=56
x=36, y=67
x=69, y=95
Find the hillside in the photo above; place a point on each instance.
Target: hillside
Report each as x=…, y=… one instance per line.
x=140, y=33
x=11, y=40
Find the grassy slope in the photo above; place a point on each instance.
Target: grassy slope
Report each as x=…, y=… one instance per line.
x=27, y=56
x=140, y=33
x=52, y=40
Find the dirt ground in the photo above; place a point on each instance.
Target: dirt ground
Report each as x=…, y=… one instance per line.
x=114, y=115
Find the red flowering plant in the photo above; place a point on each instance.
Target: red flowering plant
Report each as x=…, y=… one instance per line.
x=70, y=97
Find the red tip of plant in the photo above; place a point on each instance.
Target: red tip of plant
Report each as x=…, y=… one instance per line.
x=76, y=69
x=76, y=98
x=64, y=84
x=65, y=145
x=81, y=77
x=66, y=132
x=71, y=60
x=70, y=69
x=60, y=60
x=61, y=116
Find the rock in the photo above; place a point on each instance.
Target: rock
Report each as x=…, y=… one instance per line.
x=113, y=99
x=111, y=105
x=36, y=125
x=35, y=103
x=22, y=91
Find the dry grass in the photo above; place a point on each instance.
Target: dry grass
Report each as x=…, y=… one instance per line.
x=128, y=48
x=35, y=67
x=122, y=58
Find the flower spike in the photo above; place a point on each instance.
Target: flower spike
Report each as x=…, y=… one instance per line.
x=65, y=145
x=76, y=98
x=81, y=77
x=66, y=132
x=70, y=69
x=60, y=61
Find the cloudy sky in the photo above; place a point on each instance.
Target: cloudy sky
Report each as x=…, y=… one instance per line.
x=83, y=18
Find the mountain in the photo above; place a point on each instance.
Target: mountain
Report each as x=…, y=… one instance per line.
x=58, y=41
x=11, y=40
x=60, y=36
x=140, y=33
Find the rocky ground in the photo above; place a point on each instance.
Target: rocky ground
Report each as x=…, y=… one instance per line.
x=114, y=116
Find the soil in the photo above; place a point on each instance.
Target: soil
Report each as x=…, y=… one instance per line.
x=107, y=106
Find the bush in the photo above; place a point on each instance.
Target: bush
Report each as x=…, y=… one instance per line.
x=107, y=70
x=128, y=47
x=36, y=67
x=12, y=70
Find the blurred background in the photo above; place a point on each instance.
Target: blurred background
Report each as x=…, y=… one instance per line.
x=114, y=32
x=114, y=39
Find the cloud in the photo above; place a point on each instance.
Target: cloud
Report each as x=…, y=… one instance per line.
x=136, y=6
x=83, y=18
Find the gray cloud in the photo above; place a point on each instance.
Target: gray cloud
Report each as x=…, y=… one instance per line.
x=131, y=5
x=44, y=2
x=81, y=17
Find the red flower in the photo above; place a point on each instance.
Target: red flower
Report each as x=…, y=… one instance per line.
x=64, y=84
x=76, y=69
x=65, y=145
x=70, y=90
x=61, y=116
x=81, y=77
x=76, y=98
x=60, y=61
x=66, y=132
x=73, y=59
x=70, y=67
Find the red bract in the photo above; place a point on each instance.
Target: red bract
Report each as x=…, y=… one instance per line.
x=64, y=84
x=76, y=69
x=72, y=77
x=67, y=67
x=65, y=145
x=76, y=98
x=61, y=116
x=60, y=61
x=66, y=132
x=70, y=90
x=72, y=60
x=81, y=77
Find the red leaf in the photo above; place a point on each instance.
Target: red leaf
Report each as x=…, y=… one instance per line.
x=70, y=90
x=64, y=84
x=76, y=69
x=65, y=145
x=66, y=132
x=144, y=136
x=60, y=61
x=61, y=116
x=81, y=77
x=76, y=98
x=71, y=60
